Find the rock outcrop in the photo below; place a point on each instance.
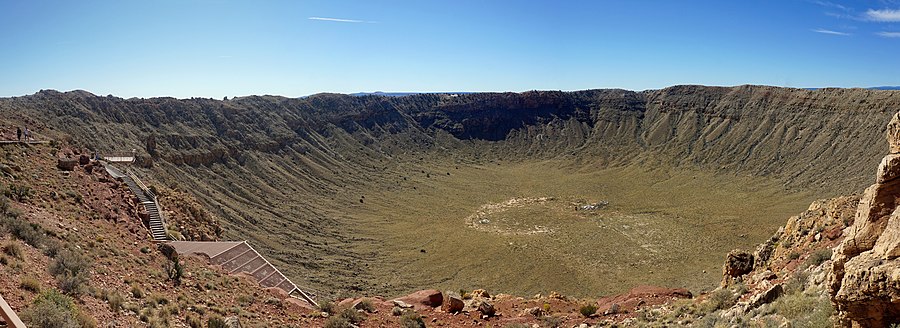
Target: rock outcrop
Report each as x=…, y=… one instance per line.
x=865, y=285
x=737, y=264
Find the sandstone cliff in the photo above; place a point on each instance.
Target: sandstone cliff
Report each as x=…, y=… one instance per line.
x=865, y=284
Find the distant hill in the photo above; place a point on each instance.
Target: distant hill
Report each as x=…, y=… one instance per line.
x=873, y=88
x=400, y=94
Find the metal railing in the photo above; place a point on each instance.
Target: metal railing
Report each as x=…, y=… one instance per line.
x=150, y=194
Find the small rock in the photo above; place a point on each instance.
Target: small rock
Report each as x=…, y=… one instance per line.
x=486, y=308
x=402, y=304
x=613, y=309
x=533, y=311
x=480, y=293
x=453, y=303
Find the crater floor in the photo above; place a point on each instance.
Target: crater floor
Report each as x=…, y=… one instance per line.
x=514, y=227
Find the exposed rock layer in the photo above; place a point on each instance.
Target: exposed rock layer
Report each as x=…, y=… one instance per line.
x=865, y=284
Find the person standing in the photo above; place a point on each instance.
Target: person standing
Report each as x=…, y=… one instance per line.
x=27, y=135
x=18, y=133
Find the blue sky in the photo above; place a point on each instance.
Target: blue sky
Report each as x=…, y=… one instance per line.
x=210, y=48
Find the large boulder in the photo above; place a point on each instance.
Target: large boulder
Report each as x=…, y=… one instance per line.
x=424, y=298
x=486, y=308
x=453, y=303
x=66, y=163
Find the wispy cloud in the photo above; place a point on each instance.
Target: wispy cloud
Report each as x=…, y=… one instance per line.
x=830, y=4
x=889, y=34
x=830, y=32
x=339, y=20
x=883, y=15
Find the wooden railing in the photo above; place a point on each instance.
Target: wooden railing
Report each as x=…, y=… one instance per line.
x=9, y=316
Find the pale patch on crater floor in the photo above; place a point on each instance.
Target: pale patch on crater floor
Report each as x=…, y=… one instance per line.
x=523, y=216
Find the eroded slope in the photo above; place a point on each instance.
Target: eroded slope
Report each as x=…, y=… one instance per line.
x=294, y=175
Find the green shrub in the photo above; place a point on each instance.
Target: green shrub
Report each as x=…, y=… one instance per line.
x=327, y=307
x=793, y=256
x=17, y=192
x=13, y=249
x=136, y=292
x=588, y=310
x=30, y=284
x=115, y=301
x=244, y=300
x=805, y=310
x=215, y=321
x=366, y=305
x=818, y=257
x=411, y=320
x=337, y=322
x=32, y=234
x=551, y=321
x=193, y=321
x=174, y=271
x=52, y=309
x=346, y=319
x=4, y=205
x=84, y=320
x=71, y=271
x=720, y=299
x=158, y=299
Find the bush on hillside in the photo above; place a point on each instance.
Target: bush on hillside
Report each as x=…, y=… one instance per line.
x=17, y=192
x=30, y=284
x=71, y=271
x=13, y=249
x=588, y=310
x=52, y=309
x=412, y=320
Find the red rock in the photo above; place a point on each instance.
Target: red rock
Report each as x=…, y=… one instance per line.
x=453, y=303
x=347, y=302
x=834, y=233
x=424, y=298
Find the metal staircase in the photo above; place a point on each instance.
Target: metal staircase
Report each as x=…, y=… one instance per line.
x=156, y=222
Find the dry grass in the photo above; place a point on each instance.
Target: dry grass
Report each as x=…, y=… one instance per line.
x=674, y=223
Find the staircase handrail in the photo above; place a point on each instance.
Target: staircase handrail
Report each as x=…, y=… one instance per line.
x=150, y=195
